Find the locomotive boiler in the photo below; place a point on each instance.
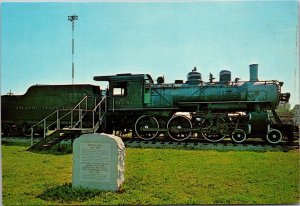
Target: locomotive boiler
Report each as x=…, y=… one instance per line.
x=194, y=108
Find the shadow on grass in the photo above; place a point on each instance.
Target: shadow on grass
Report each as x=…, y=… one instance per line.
x=21, y=142
x=204, y=146
x=63, y=150
x=65, y=193
x=66, y=148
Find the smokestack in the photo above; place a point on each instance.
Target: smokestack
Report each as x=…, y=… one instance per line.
x=253, y=72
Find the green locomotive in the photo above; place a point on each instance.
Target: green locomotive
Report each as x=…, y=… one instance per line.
x=213, y=110
x=134, y=104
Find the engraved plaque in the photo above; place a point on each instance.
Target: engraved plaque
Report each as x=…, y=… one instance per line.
x=98, y=162
x=95, y=161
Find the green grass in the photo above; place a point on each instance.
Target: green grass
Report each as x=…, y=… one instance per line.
x=157, y=176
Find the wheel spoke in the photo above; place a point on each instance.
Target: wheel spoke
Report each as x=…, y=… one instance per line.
x=239, y=136
x=146, y=127
x=214, y=130
x=179, y=128
x=274, y=136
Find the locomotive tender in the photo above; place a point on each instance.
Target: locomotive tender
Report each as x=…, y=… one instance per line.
x=213, y=110
x=133, y=103
x=20, y=112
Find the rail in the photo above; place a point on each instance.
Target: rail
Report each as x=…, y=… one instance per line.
x=76, y=117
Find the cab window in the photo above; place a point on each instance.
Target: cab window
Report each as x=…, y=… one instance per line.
x=120, y=89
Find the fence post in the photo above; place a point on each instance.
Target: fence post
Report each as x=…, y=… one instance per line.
x=86, y=103
x=105, y=106
x=105, y=110
x=72, y=119
x=80, y=118
x=93, y=119
x=57, y=120
x=100, y=113
x=31, y=142
x=44, y=128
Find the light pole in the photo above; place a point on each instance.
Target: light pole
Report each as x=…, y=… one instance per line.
x=72, y=19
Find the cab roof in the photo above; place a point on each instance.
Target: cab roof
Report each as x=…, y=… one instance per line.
x=124, y=77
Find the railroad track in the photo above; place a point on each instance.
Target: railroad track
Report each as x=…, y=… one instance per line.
x=204, y=145
x=197, y=144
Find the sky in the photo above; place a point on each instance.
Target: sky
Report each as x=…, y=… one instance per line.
x=159, y=38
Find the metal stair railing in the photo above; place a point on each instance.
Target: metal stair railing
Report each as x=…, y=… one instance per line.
x=81, y=115
x=101, y=114
x=57, y=114
x=98, y=110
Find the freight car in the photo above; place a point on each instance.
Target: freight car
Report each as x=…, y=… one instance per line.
x=194, y=108
x=20, y=112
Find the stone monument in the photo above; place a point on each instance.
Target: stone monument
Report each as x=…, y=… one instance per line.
x=98, y=162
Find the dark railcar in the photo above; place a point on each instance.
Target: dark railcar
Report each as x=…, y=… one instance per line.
x=20, y=112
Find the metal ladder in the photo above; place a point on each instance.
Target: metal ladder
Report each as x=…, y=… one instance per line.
x=69, y=122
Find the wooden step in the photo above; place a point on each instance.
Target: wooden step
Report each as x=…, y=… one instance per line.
x=39, y=145
x=78, y=130
x=57, y=136
x=51, y=143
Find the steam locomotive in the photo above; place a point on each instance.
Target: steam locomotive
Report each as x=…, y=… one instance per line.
x=212, y=110
x=133, y=103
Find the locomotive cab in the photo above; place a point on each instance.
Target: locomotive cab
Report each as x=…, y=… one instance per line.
x=125, y=90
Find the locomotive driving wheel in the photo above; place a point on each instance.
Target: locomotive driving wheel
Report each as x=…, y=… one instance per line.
x=179, y=128
x=6, y=130
x=146, y=127
x=215, y=129
x=239, y=136
x=274, y=136
x=26, y=130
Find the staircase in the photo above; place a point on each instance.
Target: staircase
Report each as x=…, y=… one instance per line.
x=65, y=124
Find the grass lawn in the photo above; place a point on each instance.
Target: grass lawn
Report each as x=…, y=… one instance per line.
x=157, y=176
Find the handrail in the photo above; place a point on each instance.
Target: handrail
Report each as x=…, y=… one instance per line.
x=55, y=112
x=104, y=98
x=57, y=121
x=99, y=106
x=76, y=108
x=45, y=118
x=84, y=98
